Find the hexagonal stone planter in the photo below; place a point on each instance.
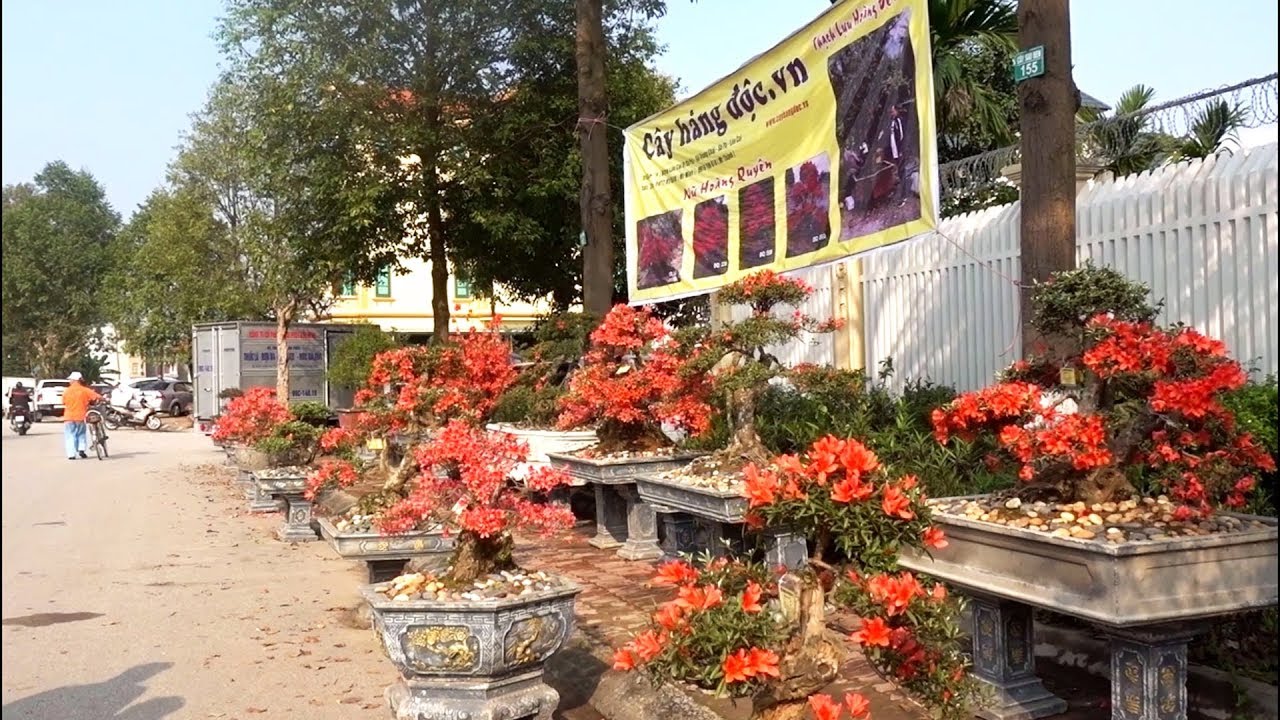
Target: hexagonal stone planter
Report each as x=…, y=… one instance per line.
x=385, y=555
x=623, y=520
x=479, y=660
x=1147, y=595
x=290, y=487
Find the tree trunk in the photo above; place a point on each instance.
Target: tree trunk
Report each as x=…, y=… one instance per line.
x=745, y=442
x=439, y=260
x=475, y=557
x=809, y=662
x=594, y=202
x=1048, y=107
x=284, y=316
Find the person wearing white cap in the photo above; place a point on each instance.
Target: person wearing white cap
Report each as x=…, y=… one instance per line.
x=76, y=400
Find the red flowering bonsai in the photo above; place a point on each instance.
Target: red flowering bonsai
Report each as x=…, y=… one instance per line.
x=720, y=632
x=710, y=238
x=736, y=355
x=634, y=378
x=659, y=247
x=756, y=224
x=465, y=484
x=258, y=419
x=808, y=219
x=1139, y=403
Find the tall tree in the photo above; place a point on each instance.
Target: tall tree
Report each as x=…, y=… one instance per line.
x=972, y=43
x=177, y=265
x=367, y=103
x=522, y=229
x=57, y=237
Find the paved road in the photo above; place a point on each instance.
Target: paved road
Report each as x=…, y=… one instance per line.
x=138, y=589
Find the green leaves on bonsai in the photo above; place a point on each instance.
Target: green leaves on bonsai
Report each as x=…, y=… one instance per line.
x=1069, y=300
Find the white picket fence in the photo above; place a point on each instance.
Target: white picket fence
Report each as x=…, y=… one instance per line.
x=1202, y=235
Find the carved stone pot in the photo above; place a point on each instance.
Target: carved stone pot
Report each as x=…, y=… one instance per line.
x=1150, y=597
x=385, y=555
x=274, y=485
x=697, y=519
x=541, y=442
x=480, y=660
x=623, y=519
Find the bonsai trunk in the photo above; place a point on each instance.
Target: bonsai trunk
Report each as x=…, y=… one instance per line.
x=745, y=445
x=476, y=556
x=809, y=662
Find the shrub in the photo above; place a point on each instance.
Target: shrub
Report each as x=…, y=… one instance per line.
x=251, y=417
x=314, y=413
x=353, y=358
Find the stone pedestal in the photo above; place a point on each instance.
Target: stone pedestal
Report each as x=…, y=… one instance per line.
x=1149, y=672
x=297, y=521
x=642, y=527
x=524, y=697
x=261, y=500
x=1004, y=659
x=611, y=517
x=785, y=549
x=679, y=535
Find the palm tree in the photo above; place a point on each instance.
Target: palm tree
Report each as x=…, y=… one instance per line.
x=1215, y=128
x=960, y=31
x=1124, y=142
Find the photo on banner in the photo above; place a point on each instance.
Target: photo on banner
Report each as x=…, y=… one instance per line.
x=820, y=148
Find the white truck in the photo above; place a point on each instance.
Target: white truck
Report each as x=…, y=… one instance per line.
x=242, y=354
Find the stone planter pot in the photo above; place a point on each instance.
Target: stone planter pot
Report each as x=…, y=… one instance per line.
x=542, y=442
x=298, y=509
x=349, y=419
x=250, y=459
x=1147, y=595
x=623, y=520
x=695, y=519
x=479, y=660
x=386, y=555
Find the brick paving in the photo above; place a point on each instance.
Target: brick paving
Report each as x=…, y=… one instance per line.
x=616, y=601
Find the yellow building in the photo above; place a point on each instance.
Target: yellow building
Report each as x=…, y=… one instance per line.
x=401, y=302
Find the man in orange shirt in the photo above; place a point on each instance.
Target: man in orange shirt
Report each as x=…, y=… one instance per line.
x=75, y=402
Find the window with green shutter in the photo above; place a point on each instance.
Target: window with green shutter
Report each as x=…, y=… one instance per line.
x=461, y=286
x=382, y=286
x=348, y=288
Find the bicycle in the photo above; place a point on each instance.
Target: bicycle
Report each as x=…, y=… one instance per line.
x=97, y=433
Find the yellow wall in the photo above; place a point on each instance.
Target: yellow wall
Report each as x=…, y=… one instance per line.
x=408, y=308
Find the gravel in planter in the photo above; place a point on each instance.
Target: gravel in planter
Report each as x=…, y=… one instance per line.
x=518, y=583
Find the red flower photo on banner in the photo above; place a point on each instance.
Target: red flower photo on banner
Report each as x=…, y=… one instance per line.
x=757, y=228
x=711, y=237
x=659, y=249
x=809, y=206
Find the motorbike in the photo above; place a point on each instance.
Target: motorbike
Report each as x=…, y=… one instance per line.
x=115, y=417
x=20, y=420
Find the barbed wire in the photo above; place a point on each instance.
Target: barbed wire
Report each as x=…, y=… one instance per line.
x=1137, y=140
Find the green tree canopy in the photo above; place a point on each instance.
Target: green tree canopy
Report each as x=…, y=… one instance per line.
x=58, y=233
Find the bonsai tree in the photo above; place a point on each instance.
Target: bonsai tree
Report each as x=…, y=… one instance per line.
x=256, y=418
x=633, y=380
x=744, y=366
x=465, y=484
x=353, y=359
x=1114, y=400
x=719, y=633
x=533, y=399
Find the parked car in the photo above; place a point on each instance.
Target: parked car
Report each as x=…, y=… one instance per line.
x=170, y=396
x=49, y=397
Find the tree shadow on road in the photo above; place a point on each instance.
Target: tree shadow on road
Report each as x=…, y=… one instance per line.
x=108, y=700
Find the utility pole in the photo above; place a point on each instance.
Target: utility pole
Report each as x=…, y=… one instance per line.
x=1047, y=103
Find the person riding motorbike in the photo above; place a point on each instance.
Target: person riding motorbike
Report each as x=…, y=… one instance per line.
x=19, y=397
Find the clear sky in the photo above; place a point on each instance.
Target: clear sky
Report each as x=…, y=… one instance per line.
x=108, y=86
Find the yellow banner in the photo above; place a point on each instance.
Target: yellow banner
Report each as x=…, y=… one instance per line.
x=822, y=147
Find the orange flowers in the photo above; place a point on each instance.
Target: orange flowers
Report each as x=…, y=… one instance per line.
x=751, y=597
x=694, y=597
x=675, y=572
x=895, y=592
x=743, y=665
x=824, y=708
x=934, y=538
x=896, y=503
x=759, y=486
x=874, y=632
x=647, y=645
